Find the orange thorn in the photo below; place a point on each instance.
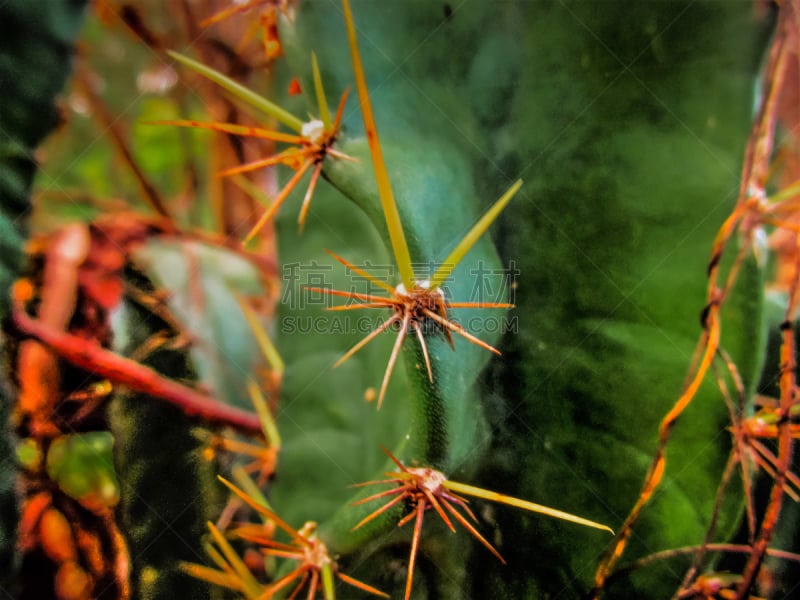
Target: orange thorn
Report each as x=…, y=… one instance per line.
x=372, y=335
x=301, y=219
x=393, y=357
x=460, y=331
x=414, y=547
x=270, y=212
x=424, y=347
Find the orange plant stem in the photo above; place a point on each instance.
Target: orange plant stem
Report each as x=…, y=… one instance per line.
x=710, y=341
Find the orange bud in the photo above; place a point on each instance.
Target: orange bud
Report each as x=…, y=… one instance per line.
x=23, y=291
x=294, y=87
x=55, y=536
x=72, y=582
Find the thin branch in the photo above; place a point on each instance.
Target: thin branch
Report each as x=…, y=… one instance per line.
x=149, y=192
x=90, y=356
x=646, y=561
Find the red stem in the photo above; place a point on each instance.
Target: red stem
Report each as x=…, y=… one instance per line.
x=88, y=355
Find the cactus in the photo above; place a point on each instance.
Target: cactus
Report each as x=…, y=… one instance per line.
x=543, y=340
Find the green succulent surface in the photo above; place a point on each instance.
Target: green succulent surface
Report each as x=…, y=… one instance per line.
x=627, y=122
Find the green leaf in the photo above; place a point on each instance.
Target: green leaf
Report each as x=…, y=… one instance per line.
x=203, y=286
x=82, y=466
